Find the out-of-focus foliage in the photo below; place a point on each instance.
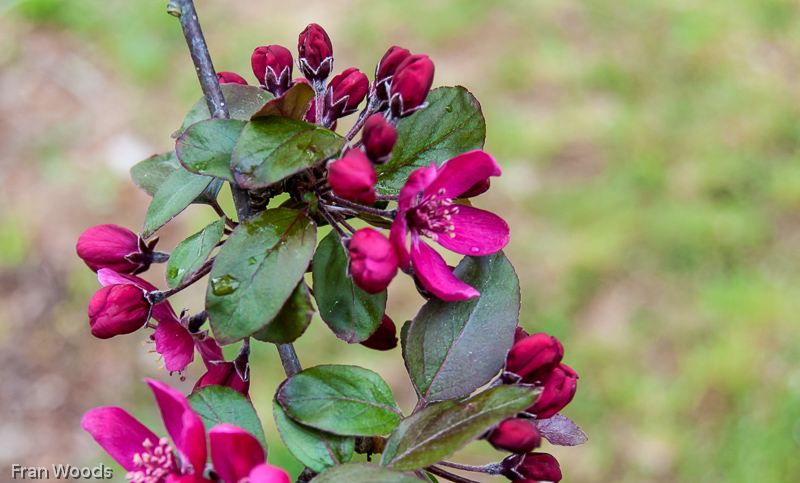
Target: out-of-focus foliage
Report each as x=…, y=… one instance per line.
x=651, y=180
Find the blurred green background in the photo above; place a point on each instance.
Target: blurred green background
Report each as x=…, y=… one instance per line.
x=651, y=180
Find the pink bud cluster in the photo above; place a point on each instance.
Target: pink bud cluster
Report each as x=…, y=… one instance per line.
x=534, y=360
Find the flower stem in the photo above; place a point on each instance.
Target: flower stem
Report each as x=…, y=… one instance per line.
x=362, y=118
x=490, y=469
x=359, y=207
x=158, y=296
x=447, y=475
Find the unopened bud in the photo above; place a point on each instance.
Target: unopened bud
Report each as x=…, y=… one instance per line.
x=345, y=92
x=536, y=467
x=272, y=66
x=534, y=357
x=379, y=138
x=353, y=177
x=386, y=68
x=385, y=338
x=315, y=53
x=557, y=391
x=410, y=85
x=118, y=309
x=230, y=78
x=515, y=435
x=114, y=247
x=223, y=374
x=373, y=260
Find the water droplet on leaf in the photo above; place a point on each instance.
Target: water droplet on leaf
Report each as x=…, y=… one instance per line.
x=224, y=285
x=449, y=108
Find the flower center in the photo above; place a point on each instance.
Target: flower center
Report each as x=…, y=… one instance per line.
x=154, y=464
x=432, y=216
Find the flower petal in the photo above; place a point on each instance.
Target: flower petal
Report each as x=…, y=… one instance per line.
x=117, y=432
x=477, y=232
x=175, y=343
x=462, y=172
x=183, y=425
x=398, y=236
x=266, y=473
x=209, y=350
x=234, y=452
x=435, y=275
x=417, y=182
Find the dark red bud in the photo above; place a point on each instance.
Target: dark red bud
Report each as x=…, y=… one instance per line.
x=230, y=78
x=373, y=260
x=534, y=357
x=386, y=69
x=536, y=467
x=410, y=85
x=315, y=53
x=345, y=92
x=516, y=435
x=557, y=391
x=379, y=138
x=272, y=66
x=519, y=334
x=477, y=189
x=223, y=374
x=385, y=338
x=353, y=177
x=118, y=309
x=107, y=246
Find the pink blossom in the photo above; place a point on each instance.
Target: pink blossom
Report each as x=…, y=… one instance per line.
x=373, y=260
x=237, y=455
x=231, y=78
x=353, y=177
x=425, y=208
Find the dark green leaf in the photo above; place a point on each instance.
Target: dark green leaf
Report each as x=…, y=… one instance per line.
x=273, y=148
x=292, y=320
x=205, y=148
x=350, y=312
x=292, y=104
x=363, y=473
x=316, y=449
x=173, y=196
x=452, y=124
x=440, y=430
x=453, y=348
x=344, y=400
x=256, y=270
x=221, y=404
x=151, y=173
x=192, y=252
x=242, y=102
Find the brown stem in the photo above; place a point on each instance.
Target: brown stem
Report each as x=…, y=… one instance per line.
x=447, y=475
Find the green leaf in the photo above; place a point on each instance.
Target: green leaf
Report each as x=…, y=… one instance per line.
x=440, y=430
x=173, y=196
x=256, y=270
x=292, y=104
x=452, y=124
x=150, y=174
x=273, y=148
x=363, y=473
x=316, y=449
x=351, y=313
x=344, y=400
x=292, y=320
x=242, y=102
x=193, y=252
x=453, y=348
x=221, y=404
x=205, y=147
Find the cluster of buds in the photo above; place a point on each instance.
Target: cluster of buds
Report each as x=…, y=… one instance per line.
x=126, y=303
x=533, y=360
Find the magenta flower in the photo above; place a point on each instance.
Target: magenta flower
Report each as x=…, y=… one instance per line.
x=173, y=340
x=425, y=208
x=223, y=374
x=272, y=66
x=379, y=138
x=118, y=309
x=146, y=457
x=315, y=51
x=384, y=338
x=345, y=92
x=385, y=70
x=238, y=456
x=353, y=177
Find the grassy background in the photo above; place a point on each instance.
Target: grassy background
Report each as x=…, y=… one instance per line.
x=650, y=179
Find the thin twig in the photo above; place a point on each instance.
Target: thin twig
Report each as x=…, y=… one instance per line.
x=331, y=221
x=158, y=296
x=289, y=360
x=359, y=207
x=218, y=209
x=490, y=469
x=450, y=476
x=343, y=222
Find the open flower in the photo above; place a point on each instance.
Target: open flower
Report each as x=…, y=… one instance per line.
x=146, y=457
x=238, y=456
x=425, y=208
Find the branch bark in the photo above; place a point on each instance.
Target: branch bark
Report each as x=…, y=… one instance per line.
x=186, y=13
